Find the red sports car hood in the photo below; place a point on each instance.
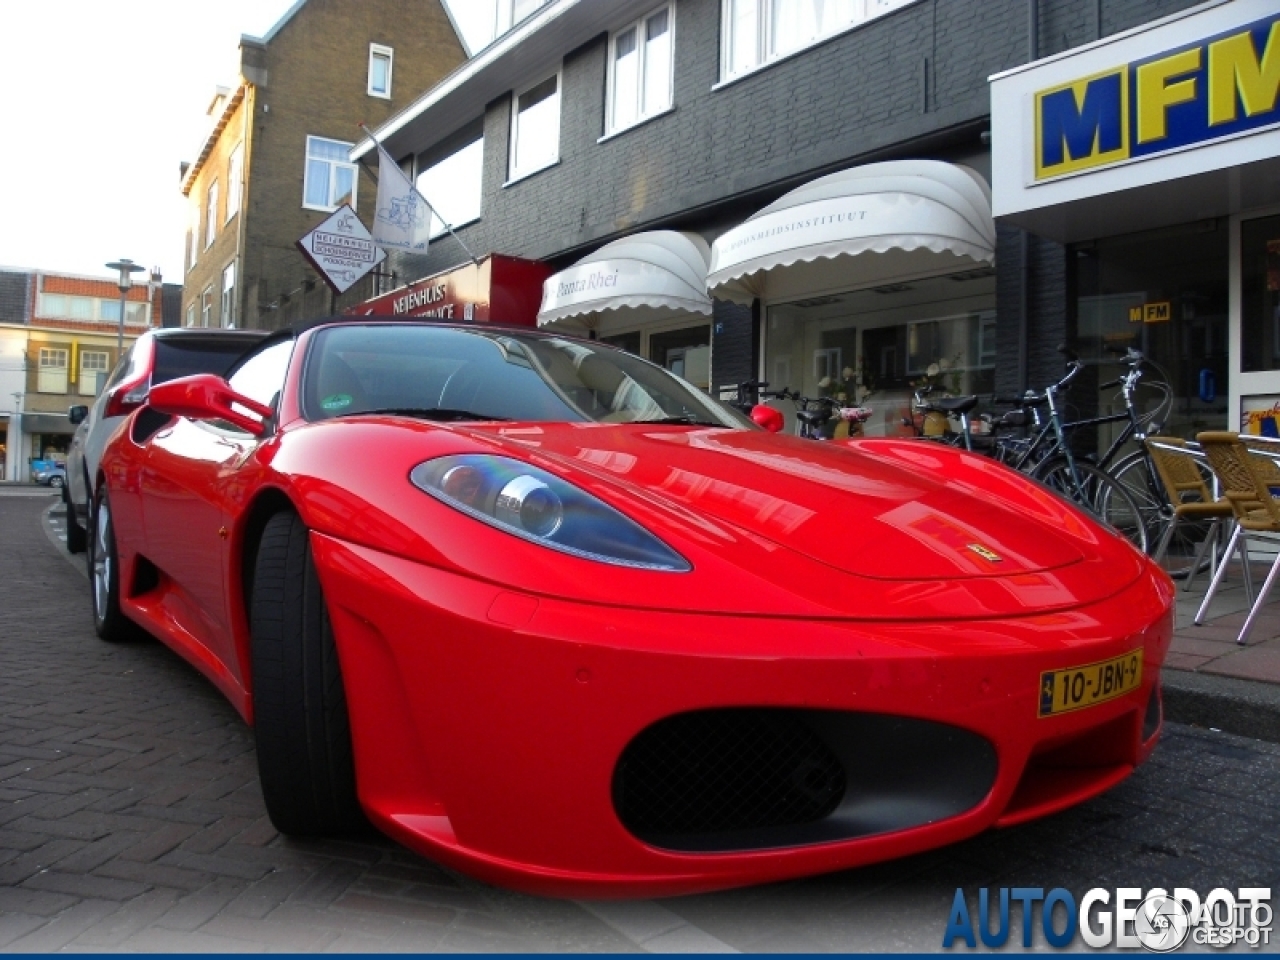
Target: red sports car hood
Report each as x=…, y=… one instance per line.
x=861, y=508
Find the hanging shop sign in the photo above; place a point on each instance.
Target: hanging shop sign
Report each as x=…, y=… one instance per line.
x=1178, y=120
x=341, y=249
x=498, y=289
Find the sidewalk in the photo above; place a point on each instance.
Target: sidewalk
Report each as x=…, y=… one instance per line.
x=1209, y=679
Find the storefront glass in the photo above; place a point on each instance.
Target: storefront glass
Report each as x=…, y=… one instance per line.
x=1163, y=292
x=685, y=352
x=1260, y=294
x=874, y=347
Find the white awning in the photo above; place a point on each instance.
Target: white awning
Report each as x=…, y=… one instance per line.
x=869, y=226
x=646, y=276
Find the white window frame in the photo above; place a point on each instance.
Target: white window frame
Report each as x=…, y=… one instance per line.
x=512, y=173
x=97, y=381
x=765, y=57
x=235, y=181
x=55, y=360
x=191, y=314
x=306, y=175
x=378, y=52
x=206, y=306
x=228, y=307
x=211, y=215
x=137, y=307
x=611, y=125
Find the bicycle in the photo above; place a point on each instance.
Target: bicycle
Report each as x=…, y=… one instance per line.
x=1048, y=458
x=814, y=413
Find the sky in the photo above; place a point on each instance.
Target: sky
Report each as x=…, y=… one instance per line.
x=101, y=102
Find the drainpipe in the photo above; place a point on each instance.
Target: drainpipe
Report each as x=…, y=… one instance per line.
x=1024, y=320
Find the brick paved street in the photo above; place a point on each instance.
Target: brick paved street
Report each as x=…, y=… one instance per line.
x=130, y=818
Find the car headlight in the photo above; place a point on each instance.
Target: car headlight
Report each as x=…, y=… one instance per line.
x=540, y=507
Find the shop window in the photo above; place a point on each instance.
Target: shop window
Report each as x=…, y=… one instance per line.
x=329, y=179
x=1163, y=292
x=93, y=371
x=686, y=353
x=454, y=187
x=380, y=70
x=1260, y=294
x=211, y=215
x=535, y=128
x=640, y=69
x=235, y=180
x=51, y=375
x=228, y=317
x=757, y=32
x=629, y=342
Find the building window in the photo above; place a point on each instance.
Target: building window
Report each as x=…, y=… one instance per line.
x=535, y=128
x=235, y=180
x=329, y=180
x=81, y=308
x=211, y=215
x=191, y=315
x=206, y=307
x=137, y=313
x=757, y=32
x=480, y=22
x=454, y=187
x=229, y=295
x=53, y=305
x=380, y=70
x=640, y=70
x=93, y=372
x=52, y=373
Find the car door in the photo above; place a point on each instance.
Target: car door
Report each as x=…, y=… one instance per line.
x=190, y=472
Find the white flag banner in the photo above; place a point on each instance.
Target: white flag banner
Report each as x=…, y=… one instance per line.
x=402, y=220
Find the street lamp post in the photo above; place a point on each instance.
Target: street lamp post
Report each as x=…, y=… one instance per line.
x=126, y=269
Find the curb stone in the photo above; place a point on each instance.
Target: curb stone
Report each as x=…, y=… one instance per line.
x=1247, y=708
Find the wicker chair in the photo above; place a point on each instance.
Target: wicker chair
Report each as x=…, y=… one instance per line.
x=1184, y=484
x=1246, y=481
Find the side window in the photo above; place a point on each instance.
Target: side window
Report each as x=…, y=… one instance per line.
x=260, y=376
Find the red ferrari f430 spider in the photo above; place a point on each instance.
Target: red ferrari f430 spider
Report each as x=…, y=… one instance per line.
x=544, y=612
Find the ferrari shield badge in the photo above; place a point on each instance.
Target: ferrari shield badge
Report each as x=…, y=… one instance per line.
x=984, y=553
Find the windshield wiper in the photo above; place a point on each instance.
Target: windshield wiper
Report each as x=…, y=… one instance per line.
x=687, y=418
x=424, y=413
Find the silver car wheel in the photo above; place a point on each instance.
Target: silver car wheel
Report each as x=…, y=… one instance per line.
x=101, y=560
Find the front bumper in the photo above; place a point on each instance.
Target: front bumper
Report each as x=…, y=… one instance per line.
x=488, y=724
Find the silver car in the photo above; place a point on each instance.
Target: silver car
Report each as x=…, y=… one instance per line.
x=155, y=357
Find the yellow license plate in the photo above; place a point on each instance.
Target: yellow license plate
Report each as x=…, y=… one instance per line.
x=1062, y=691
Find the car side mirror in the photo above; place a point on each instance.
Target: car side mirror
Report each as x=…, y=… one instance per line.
x=77, y=414
x=208, y=397
x=767, y=417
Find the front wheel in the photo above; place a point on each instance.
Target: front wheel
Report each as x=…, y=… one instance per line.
x=301, y=726
x=104, y=575
x=1098, y=493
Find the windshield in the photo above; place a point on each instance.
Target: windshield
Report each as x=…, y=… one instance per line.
x=450, y=374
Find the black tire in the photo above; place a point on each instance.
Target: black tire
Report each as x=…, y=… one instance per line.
x=77, y=536
x=104, y=575
x=301, y=726
x=57, y=482
x=1098, y=493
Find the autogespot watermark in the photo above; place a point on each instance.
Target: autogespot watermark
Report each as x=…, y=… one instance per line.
x=1128, y=917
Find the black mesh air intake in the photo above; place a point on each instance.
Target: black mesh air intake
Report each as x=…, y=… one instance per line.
x=726, y=770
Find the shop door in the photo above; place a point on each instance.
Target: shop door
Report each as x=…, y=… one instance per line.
x=1255, y=326
x=686, y=353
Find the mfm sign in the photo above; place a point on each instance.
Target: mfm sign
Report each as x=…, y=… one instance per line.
x=1192, y=94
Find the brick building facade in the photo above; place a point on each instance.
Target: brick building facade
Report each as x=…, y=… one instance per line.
x=911, y=82
x=301, y=91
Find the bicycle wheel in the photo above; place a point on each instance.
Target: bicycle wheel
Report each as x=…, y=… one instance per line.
x=1134, y=472
x=1098, y=493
